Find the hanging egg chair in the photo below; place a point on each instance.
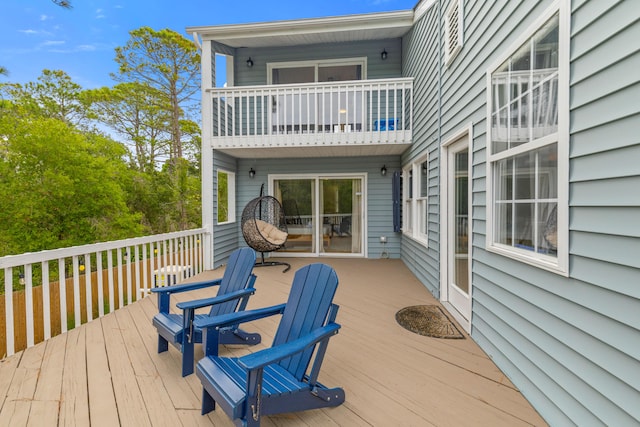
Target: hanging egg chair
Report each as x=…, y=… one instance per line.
x=264, y=228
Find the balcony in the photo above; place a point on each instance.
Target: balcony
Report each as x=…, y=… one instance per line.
x=371, y=117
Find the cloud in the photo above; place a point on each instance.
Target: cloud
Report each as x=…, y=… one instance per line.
x=44, y=17
x=53, y=43
x=32, y=32
x=82, y=48
x=100, y=14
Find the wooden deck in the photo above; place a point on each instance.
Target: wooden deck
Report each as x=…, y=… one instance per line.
x=108, y=373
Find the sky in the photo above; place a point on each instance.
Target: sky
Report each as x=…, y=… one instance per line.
x=37, y=35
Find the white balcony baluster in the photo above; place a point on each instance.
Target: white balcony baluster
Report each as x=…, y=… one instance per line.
x=28, y=286
x=314, y=114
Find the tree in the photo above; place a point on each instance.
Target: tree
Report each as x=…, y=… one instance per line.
x=169, y=63
x=3, y=71
x=133, y=111
x=54, y=95
x=60, y=187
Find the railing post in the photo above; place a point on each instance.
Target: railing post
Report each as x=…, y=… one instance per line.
x=100, y=283
x=76, y=291
x=46, y=300
x=28, y=294
x=88, y=285
x=8, y=310
x=62, y=284
x=110, y=283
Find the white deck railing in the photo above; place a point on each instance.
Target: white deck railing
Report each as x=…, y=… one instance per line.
x=46, y=293
x=368, y=111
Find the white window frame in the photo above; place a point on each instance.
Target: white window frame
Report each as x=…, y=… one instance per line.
x=362, y=61
x=364, y=253
x=415, y=207
x=558, y=264
x=451, y=53
x=231, y=196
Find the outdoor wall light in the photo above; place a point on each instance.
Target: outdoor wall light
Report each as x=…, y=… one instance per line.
x=384, y=54
x=383, y=170
x=252, y=173
x=249, y=62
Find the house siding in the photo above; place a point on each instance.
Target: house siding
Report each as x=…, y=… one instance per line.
x=225, y=237
x=379, y=190
x=376, y=67
x=570, y=344
x=420, y=60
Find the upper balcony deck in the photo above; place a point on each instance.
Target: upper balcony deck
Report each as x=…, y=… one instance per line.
x=349, y=118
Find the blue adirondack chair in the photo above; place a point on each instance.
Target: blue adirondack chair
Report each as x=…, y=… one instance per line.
x=234, y=289
x=275, y=380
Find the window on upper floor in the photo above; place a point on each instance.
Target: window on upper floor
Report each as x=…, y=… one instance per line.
x=415, y=190
x=330, y=70
x=528, y=161
x=226, y=196
x=454, y=24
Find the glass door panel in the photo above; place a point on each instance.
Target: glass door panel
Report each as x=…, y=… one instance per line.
x=342, y=110
x=456, y=285
x=323, y=215
x=339, y=73
x=292, y=75
x=298, y=201
x=461, y=210
x=341, y=212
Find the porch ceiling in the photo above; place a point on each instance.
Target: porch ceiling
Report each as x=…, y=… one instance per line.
x=311, y=152
x=374, y=26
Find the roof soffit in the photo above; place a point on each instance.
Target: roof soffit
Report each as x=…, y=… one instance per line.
x=372, y=26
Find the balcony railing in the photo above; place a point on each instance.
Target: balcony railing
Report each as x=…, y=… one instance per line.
x=351, y=112
x=47, y=293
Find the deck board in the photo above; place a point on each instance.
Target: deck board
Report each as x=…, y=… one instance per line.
x=102, y=401
x=108, y=372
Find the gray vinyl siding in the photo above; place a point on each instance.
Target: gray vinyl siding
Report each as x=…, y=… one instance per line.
x=420, y=60
x=570, y=344
x=379, y=190
x=225, y=237
x=376, y=67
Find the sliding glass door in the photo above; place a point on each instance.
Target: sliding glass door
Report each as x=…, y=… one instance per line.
x=324, y=214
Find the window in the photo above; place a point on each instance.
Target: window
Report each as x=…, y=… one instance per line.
x=329, y=70
x=407, y=191
x=453, y=30
x=415, y=190
x=527, y=146
x=226, y=197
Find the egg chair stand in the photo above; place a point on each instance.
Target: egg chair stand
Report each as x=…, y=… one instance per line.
x=264, y=228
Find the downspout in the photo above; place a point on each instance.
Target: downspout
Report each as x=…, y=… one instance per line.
x=440, y=128
x=439, y=80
